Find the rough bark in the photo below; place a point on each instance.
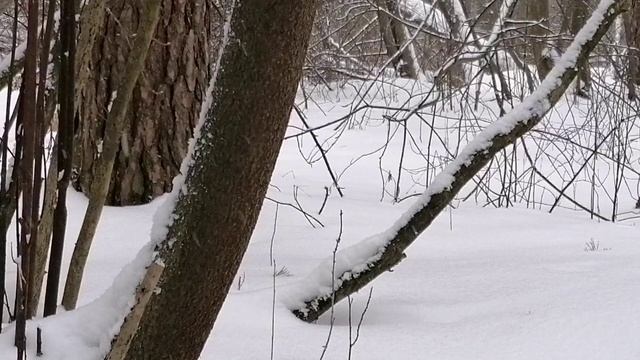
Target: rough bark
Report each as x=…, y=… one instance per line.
x=632, y=37
x=231, y=168
x=115, y=123
x=27, y=122
x=165, y=103
x=429, y=208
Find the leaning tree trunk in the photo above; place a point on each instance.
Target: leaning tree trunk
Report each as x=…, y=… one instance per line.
x=227, y=177
x=165, y=103
x=353, y=268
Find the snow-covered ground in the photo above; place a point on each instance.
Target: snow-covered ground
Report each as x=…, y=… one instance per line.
x=480, y=283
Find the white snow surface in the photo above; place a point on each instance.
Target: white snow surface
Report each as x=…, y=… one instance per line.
x=356, y=259
x=480, y=283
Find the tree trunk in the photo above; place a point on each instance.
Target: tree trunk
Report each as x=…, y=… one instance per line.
x=165, y=103
x=397, y=40
x=116, y=120
x=632, y=37
x=387, y=249
x=26, y=122
x=227, y=178
x=455, y=76
x=64, y=149
x=538, y=11
x=579, y=11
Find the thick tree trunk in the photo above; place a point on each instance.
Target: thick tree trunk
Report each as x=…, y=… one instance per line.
x=165, y=102
x=226, y=180
x=387, y=249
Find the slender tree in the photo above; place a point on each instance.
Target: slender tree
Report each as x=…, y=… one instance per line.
x=27, y=130
x=8, y=187
x=37, y=256
x=115, y=124
x=64, y=148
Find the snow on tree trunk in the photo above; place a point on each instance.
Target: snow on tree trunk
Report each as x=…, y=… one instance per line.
x=358, y=265
x=205, y=227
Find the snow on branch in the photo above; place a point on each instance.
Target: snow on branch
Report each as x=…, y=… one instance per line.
x=356, y=266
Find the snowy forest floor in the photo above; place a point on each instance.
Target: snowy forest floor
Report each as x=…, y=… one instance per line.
x=480, y=283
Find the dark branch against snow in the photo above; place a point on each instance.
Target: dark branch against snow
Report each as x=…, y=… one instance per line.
x=357, y=265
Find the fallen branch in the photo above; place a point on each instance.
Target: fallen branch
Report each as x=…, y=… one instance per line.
x=360, y=264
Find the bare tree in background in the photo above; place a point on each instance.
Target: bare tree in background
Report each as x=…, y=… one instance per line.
x=165, y=102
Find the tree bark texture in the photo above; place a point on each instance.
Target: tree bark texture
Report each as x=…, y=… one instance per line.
x=116, y=121
x=579, y=10
x=230, y=170
x=165, y=102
